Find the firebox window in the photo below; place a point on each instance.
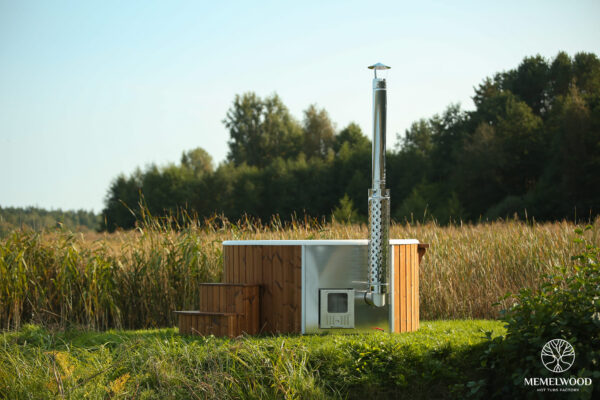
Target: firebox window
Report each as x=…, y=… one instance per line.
x=337, y=302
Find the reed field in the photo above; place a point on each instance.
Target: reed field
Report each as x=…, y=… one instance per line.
x=136, y=279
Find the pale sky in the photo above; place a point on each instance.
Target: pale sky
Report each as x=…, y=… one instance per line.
x=91, y=89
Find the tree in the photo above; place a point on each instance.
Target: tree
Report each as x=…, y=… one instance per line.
x=121, y=202
x=345, y=212
x=198, y=161
x=319, y=132
x=261, y=130
x=586, y=68
x=561, y=75
x=417, y=139
x=529, y=82
x=353, y=137
x=245, y=131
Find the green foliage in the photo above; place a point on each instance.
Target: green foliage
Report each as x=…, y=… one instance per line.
x=345, y=211
x=566, y=306
x=530, y=148
x=158, y=364
x=39, y=218
x=261, y=130
x=197, y=161
x=318, y=132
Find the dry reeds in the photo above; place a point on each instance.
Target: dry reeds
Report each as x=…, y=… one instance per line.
x=137, y=279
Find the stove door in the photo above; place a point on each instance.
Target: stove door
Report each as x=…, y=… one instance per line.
x=336, y=308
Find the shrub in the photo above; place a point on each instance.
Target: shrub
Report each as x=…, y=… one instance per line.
x=566, y=306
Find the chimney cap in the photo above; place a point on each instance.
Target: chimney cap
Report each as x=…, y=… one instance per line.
x=379, y=66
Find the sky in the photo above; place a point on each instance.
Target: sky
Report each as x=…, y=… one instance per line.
x=93, y=89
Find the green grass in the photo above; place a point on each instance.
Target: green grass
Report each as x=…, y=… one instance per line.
x=160, y=364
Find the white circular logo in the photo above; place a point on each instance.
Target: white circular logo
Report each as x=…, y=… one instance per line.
x=558, y=355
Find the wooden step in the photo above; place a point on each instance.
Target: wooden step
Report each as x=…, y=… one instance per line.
x=235, y=304
x=207, y=323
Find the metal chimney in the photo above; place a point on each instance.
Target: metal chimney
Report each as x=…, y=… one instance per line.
x=379, y=198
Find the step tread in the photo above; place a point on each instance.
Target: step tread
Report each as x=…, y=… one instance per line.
x=195, y=312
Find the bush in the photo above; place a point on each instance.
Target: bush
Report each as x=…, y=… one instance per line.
x=566, y=306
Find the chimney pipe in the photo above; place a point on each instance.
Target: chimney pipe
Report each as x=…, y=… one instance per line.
x=379, y=198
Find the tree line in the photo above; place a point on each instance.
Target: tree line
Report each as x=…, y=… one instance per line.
x=531, y=148
x=39, y=218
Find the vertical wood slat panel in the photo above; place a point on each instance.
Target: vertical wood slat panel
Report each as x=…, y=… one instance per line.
x=225, y=263
x=210, y=299
x=297, y=289
x=256, y=309
x=238, y=296
x=402, y=288
x=247, y=294
x=409, y=300
x=278, y=270
x=222, y=299
x=232, y=264
x=413, y=321
x=248, y=265
x=257, y=252
x=182, y=324
x=417, y=260
x=242, y=264
x=407, y=286
x=199, y=325
x=267, y=298
x=224, y=327
x=397, y=288
x=236, y=321
x=286, y=278
x=203, y=297
x=278, y=295
x=406, y=290
x=236, y=265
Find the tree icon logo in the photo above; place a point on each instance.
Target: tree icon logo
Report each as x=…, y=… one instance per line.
x=558, y=355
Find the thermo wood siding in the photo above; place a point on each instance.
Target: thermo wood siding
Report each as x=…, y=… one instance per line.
x=205, y=323
x=406, y=286
x=278, y=271
x=226, y=310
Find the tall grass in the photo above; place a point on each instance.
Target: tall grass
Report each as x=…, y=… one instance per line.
x=137, y=279
x=36, y=363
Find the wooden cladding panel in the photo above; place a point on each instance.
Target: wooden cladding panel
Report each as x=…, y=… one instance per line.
x=278, y=271
x=396, y=286
x=226, y=310
x=416, y=263
x=406, y=287
x=202, y=323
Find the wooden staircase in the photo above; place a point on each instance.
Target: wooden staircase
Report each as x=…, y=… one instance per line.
x=226, y=309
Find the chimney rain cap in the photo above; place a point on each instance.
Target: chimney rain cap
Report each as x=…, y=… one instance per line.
x=379, y=66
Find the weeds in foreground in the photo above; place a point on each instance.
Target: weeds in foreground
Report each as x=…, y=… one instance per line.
x=37, y=363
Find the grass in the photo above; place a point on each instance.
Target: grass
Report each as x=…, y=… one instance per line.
x=136, y=279
x=433, y=362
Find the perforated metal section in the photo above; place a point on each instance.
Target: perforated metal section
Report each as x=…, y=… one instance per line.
x=379, y=236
